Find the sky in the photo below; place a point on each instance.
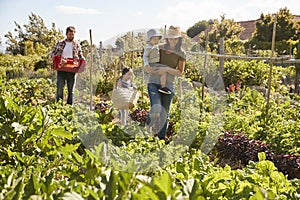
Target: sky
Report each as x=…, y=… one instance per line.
x=109, y=18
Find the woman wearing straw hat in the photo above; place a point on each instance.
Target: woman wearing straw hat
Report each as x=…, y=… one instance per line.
x=172, y=62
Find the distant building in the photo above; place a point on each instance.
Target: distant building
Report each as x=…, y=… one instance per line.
x=250, y=27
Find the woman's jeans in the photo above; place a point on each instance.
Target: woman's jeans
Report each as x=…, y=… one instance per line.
x=62, y=77
x=160, y=109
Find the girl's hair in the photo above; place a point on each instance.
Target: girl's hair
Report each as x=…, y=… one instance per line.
x=178, y=45
x=125, y=70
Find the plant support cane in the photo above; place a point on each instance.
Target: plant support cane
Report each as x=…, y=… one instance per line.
x=91, y=72
x=270, y=72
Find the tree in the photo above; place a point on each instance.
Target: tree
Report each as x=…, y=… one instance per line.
x=28, y=49
x=36, y=32
x=286, y=31
x=227, y=29
x=13, y=44
x=199, y=27
x=52, y=36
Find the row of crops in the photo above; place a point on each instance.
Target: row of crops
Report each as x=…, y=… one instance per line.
x=221, y=147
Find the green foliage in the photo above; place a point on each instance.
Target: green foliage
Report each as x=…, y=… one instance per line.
x=21, y=62
x=43, y=155
x=286, y=31
x=42, y=64
x=192, y=71
x=105, y=85
x=29, y=91
x=250, y=73
x=246, y=114
x=28, y=48
x=255, y=73
x=234, y=47
x=36, y=38
x=225, y=28
x=20, y=66
x=198, y=27
x=285, y=27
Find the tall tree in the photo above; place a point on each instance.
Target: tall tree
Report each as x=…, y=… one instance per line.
x=36, y=32
x=287, y=29
x=226, y=28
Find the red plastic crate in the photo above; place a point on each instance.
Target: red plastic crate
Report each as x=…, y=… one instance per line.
x=68, y=64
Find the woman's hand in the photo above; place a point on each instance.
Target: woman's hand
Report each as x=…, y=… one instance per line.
x=151, y=69
x=161, y=70
x=175, y=72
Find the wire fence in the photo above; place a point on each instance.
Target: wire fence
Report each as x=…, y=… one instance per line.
x=201, y=58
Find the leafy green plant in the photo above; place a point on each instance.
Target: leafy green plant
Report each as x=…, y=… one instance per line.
x=43, y=155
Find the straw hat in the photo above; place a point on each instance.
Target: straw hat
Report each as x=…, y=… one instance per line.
x=153, y=33
x=173, y=32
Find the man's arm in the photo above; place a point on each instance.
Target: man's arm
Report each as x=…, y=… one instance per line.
x=54, y=52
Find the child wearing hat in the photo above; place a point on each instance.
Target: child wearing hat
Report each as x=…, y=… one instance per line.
x=151, y=57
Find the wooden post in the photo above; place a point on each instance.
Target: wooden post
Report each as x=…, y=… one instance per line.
x=132, y=47
x=91, y=71
x=204, y=64
x=143, y=77
x=122, y=63
x=121, y=57
x=115, y=74
x=100, y=49
x=165, y=31
x=271, y=68
x=221, y=60
x=297, y=89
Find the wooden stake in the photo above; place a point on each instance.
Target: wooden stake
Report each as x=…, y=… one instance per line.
x=271, y=68
x=100, y=49
x=297, y=90
x=204, y=64
x=221, y=60
x=131, y=58
x=165, y=30
x=91, y=72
